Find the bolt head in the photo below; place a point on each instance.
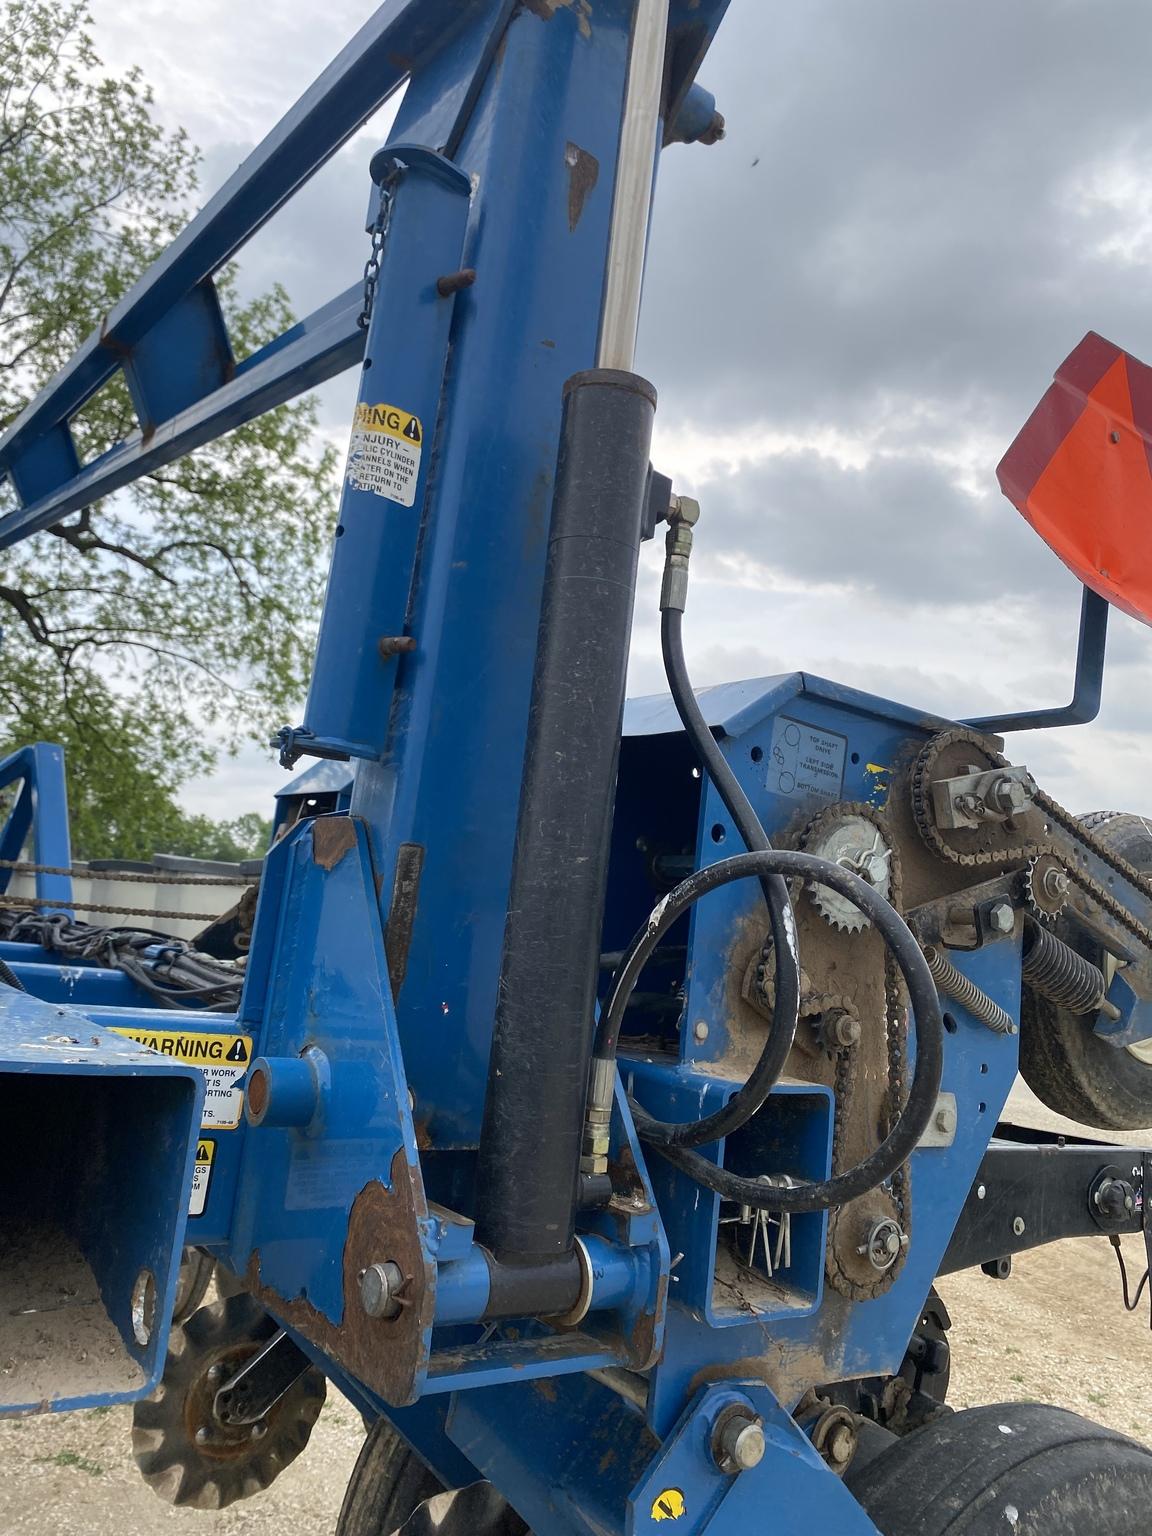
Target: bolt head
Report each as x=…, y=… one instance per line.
x=1001, y=917
x=203, y=1435
x=981, y=1191
x=1019, y=1226
x=842, y=1029
x=700, y=1030
x=946, y=1120
x=258, y=1430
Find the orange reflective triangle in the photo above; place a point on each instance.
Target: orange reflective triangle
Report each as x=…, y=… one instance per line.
x=1081, y=473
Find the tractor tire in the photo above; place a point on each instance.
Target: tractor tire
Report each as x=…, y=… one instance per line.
x=389, y=1484
x=1017, y=1469
x=1069, y=1068
x=196, y=1271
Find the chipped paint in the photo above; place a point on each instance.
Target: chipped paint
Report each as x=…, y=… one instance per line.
x=581, y=9
x=583, y=174
x=332, y=838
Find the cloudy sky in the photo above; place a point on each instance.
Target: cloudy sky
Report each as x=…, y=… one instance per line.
x=853, y=303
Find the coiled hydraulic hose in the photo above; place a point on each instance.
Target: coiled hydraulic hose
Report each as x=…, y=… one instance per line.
x=770, y=867
x=913, y=1119
x=751, y=1096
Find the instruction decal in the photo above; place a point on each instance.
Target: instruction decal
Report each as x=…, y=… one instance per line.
x=223, y=1059
x=202, y=1176
x=384, y=455
x=669, y=1505
x=805, y=763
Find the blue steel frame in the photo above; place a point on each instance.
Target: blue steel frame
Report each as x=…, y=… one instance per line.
x=373, y=1064
x=39, y=810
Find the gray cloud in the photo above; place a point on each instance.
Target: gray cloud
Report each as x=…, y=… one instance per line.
x=908, y=259
x=900, y=527
x=907, y=231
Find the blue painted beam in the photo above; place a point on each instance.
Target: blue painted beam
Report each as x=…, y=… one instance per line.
x=318, y=348
x=79, y=986
x=355, y=85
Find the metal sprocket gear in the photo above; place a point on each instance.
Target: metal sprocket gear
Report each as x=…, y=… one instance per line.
x=1046, y=887
x=852, y=837
x=185, y=1453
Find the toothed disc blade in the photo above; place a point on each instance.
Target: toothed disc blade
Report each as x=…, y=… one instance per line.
x=184, y=1452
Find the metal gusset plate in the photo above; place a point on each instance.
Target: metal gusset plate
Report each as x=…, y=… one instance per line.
x=185, y=1452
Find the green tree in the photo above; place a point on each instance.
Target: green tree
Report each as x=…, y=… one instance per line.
x=176, y=618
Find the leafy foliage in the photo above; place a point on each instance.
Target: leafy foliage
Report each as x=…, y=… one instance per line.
x=177, y=617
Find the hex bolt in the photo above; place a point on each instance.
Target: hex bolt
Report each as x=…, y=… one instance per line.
x=946, y=1120
x=1054, y=883
x=1001, y=917
x=738, y=1443
x=1019, y=1226
x=380, y=1286
x=841, y=1029
x=1009, y=796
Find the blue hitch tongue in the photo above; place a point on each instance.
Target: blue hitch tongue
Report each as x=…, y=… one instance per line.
x=100, y=1139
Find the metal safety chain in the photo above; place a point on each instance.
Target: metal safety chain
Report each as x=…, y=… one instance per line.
x=379, y=234
x=131, y=877
x=34, y=903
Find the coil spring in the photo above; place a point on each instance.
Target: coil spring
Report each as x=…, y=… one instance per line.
x=956, y=985
x=1054, y=970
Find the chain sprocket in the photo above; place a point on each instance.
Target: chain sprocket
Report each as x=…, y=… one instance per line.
x=189, y=1456
x=1003, y=855
x=1046, y=885
x=852, y=836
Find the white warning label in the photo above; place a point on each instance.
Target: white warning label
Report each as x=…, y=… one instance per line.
x=804, y=762
x=202, y=1176
x=384, y=455
x=223, y=1059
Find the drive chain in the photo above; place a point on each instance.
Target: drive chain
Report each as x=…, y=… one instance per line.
x=1053, y=812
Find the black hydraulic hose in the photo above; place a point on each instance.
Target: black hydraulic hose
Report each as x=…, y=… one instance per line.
x=752, y=1095
x=913, y=1119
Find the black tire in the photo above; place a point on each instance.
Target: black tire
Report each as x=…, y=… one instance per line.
x=196, y=1271
x=1017, y=1469
x=1067, y=1067
x=389, y=1481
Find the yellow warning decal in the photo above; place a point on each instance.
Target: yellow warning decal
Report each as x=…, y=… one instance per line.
x=202, y=1175
x=390, y=420
x=669, y=1505
x=223, y=1059
x=385, y=452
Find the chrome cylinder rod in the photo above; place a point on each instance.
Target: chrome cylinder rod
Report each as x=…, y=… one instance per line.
x=632, y=201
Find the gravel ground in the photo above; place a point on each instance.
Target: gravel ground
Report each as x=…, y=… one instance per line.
x=1055, y=1332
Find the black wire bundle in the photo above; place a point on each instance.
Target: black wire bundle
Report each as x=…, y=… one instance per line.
x=169, y=970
